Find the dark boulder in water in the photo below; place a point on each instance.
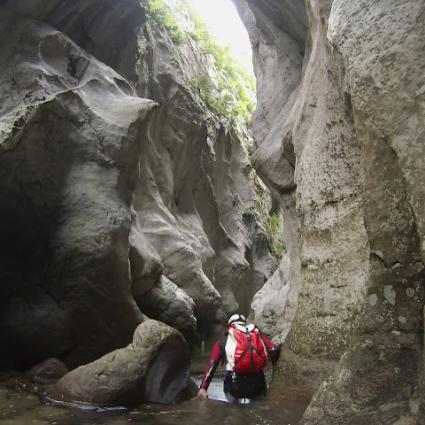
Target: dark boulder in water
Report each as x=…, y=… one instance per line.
x=153, y=368
x=47, y=372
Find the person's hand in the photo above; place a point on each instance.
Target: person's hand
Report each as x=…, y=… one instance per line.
x=202, y=394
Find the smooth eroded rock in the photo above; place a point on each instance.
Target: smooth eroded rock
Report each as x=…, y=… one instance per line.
x=170, y=304
x=69, y=141
x=153, y=368
x=340, y=136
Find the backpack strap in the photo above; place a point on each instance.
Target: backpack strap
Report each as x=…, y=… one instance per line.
x=251, y=348
x=248, y=336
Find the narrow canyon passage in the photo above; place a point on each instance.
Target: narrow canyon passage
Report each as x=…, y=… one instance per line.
x=145, y=198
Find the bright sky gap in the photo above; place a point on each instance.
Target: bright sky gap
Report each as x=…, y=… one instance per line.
x=224, y=23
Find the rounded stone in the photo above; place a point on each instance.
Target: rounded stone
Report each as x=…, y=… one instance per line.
x=153, y=368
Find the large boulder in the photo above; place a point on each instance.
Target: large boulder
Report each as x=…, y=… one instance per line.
x=153, y=368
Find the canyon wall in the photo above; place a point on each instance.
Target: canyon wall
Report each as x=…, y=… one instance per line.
x=341, y=146
x=123, y=194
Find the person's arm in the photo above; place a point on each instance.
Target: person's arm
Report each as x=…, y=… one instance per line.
x=213, y=362
x=272, y=348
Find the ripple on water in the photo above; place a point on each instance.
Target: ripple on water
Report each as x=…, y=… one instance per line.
x=18, y=406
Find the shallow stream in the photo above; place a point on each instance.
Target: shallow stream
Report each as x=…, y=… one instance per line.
x=19, y=406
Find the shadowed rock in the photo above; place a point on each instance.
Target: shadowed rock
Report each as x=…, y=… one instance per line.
x=69, y=128
x=153, y=368
x=47, y=372
x=105, y=203
x=170, y=304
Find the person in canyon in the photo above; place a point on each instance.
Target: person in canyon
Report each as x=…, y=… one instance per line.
x=245, y=351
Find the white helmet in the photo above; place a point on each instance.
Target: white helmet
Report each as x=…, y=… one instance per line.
x=239, y=318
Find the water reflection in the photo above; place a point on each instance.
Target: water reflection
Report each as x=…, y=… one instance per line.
x=19, y=407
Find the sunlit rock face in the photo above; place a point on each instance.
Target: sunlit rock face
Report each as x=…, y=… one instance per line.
x=122, y=195
x=350, y=134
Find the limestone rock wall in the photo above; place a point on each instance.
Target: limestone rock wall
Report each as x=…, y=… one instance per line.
x=122, y=194
x=349, y=137
x=195, y=194
x=69, y=145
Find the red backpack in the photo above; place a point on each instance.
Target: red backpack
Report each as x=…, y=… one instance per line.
x=245, y=349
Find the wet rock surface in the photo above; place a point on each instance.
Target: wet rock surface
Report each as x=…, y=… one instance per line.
x=153, y=368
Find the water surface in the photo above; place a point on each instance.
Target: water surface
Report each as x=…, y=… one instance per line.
x=20, y=406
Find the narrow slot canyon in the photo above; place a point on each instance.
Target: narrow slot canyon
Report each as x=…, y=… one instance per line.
x=146, y=198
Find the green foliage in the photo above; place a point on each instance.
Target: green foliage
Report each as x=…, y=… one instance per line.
x=160, y=13
x=206, y=89
x=274, y=228
x=273, y=223
x=229, y=90
x=139, y=56
x=228, y=93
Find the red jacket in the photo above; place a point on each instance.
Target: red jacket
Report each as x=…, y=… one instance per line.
x=218, y=354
